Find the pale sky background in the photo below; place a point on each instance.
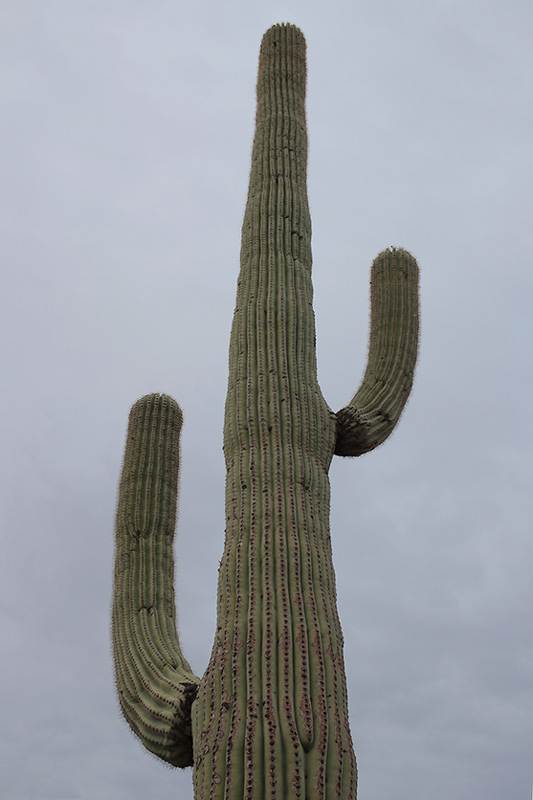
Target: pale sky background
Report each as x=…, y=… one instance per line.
x=126, y=136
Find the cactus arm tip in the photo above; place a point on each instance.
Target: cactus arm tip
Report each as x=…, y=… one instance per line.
x=374, y=410
x=155, y=684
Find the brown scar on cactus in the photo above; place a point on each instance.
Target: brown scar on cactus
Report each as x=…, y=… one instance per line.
x=269, y=718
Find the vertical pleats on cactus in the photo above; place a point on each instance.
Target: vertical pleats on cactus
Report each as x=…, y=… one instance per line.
x=155, y=684
x=269, y=719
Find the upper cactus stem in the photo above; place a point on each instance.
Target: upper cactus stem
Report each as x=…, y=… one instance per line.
x=281, y=729
x=269, y=719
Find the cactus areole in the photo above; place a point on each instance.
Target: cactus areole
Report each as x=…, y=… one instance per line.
x=269, y=718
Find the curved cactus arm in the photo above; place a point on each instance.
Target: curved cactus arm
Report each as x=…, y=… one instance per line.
x=155, y=684
x=376, y=407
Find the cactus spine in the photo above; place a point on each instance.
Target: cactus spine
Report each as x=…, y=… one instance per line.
x=269, y=718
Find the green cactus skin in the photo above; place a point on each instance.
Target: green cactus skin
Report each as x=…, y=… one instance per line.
x=269, y=718
x=155, y=683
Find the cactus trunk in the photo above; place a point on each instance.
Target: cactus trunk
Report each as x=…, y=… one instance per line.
x=269, y=718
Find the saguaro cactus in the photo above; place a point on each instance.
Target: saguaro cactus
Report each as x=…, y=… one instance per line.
x=269, y=718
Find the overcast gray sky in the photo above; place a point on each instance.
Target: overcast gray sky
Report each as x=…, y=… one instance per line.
x=126, y=137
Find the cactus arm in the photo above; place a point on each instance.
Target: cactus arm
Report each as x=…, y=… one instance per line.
x=155, y=684
x=375, y=409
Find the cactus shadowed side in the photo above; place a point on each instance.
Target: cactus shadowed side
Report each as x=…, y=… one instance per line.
x=269, y=718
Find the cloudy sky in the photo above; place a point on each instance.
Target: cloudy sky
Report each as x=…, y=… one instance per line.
x=126, y=137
